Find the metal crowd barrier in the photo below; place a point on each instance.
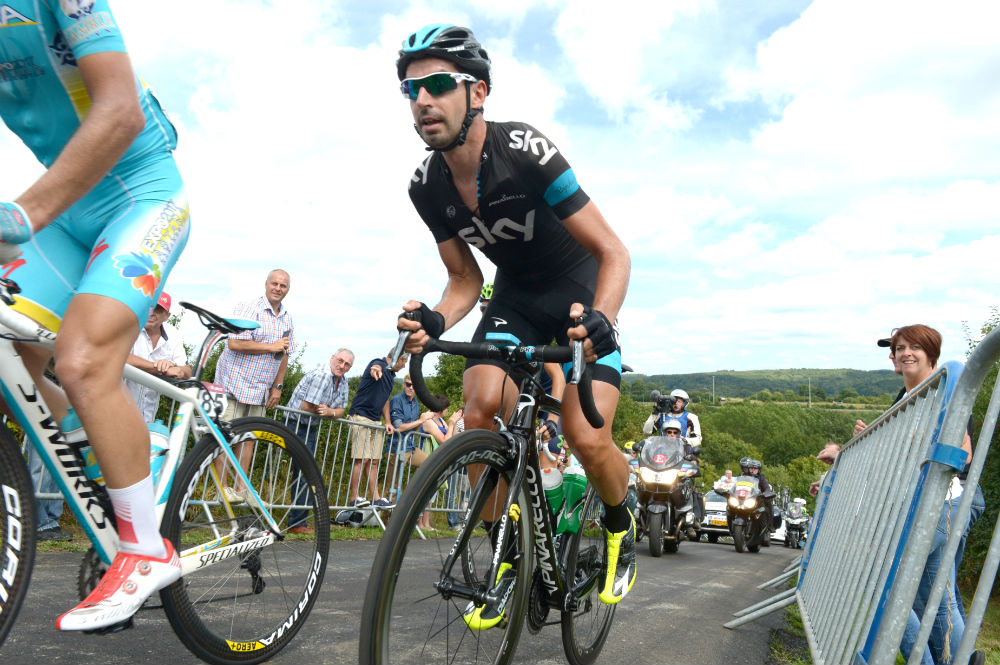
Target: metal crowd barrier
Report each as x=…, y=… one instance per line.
x=334, y=457
x=875, y=520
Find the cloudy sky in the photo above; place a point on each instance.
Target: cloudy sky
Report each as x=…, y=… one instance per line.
x=793, y=179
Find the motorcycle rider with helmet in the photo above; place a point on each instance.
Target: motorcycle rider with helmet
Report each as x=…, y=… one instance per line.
x=671, y=427
x=674, y=406
x=752, y=467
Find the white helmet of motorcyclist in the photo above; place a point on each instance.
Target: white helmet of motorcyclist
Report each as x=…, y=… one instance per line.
x=678, y=394
x=799, y=501
x=671, y=427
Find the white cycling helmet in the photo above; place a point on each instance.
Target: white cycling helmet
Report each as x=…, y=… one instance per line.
x=799, y=501
x=683, y=395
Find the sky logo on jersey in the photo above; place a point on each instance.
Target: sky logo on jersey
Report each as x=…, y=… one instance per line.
x=524, y=140
x=10, y=16
x=501, y=230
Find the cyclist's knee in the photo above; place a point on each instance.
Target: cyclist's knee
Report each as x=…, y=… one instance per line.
x=80, y=372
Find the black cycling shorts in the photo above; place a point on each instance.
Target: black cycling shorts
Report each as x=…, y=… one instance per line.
x=539, y=313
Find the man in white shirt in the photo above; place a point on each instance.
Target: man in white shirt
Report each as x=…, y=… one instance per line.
x=158, y=350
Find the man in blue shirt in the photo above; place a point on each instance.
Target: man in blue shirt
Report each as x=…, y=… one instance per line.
x=404, y=410
x=371, y=402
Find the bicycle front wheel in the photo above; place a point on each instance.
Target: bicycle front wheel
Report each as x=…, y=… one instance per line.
x=585, y=629
x=17, y=530
x=247, y=589
x=411, y=614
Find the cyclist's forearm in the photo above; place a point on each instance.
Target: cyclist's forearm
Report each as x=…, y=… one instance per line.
x=460, y=296
x=614, y=268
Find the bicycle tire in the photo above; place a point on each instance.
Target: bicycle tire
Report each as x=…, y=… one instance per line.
x=585, y=630
x=251, y=601
x=17, y=530
x=405, y=619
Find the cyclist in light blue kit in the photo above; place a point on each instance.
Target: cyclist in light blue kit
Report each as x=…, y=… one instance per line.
x=97, y=235
x=505, y=189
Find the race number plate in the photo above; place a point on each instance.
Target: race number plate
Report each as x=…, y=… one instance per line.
x=212, y=398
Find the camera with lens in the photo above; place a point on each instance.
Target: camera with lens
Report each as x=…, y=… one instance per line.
x=661, y=403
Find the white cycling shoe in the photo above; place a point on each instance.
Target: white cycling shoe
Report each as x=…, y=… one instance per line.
x=131, y=579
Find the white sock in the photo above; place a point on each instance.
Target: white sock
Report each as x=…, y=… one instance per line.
x=138, y=532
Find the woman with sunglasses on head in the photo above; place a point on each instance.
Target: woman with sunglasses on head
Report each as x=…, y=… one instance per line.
x=562, y=272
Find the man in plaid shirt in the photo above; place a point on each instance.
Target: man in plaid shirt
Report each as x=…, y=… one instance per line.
x=322, y=391
x=253, y=364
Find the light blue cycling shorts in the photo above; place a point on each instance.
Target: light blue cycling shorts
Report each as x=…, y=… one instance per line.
x=121, y=241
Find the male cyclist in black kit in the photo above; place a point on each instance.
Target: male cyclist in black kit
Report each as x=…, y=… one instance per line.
x=505, y=189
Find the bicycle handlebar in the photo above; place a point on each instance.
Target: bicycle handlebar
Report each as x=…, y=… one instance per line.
x=581, y=374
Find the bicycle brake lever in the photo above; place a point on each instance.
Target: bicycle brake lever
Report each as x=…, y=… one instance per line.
x=398, y=350
x=578, y=363
x=401, y=341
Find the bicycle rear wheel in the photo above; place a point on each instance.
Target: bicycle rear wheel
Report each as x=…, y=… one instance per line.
x=407, y=618
x=585, y=629
x=246, y=590
x=17, y=530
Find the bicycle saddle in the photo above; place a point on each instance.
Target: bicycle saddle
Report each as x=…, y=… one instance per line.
x=216, y=322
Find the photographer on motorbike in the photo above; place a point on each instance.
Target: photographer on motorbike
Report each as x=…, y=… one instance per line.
x=673, y=406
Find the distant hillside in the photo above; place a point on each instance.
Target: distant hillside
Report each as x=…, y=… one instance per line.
x=746, y=383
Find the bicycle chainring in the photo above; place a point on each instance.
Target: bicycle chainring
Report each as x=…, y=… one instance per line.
x=538, y=603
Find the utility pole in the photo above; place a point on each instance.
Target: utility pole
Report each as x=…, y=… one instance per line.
x=810, y=391
x=713, y=389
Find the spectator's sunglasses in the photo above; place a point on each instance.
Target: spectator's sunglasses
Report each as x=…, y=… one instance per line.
x=436, y=83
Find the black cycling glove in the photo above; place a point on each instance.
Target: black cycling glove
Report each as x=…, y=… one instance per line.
x=432, y=322
x=602, y=334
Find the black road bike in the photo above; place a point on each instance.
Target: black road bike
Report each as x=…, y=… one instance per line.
x=419, y=589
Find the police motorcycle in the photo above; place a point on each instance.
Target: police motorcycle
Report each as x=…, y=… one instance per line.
x=796, y=523
x=747, y=513
x=665, y=492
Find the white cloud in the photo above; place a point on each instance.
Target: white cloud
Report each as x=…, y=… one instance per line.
x=786, y=202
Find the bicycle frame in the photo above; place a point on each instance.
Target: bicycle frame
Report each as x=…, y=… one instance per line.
x=519, y=433
x=66, y=467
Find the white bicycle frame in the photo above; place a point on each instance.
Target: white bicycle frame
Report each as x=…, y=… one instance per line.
x=64, y=464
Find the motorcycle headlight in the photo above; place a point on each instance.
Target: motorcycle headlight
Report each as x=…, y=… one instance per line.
x=750, y=503
x=668, y=476
x=648, y=475
x=734, y=502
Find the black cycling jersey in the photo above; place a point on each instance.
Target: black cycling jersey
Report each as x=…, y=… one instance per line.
x=526, y=187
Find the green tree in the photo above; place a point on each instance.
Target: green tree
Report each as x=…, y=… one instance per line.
x=629, y=417
x=447, y=380
x=847, y=395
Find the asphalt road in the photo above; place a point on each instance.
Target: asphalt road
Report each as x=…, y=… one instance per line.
x=674, y=614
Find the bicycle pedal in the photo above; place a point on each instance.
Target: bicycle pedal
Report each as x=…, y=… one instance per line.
x=113, y=628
